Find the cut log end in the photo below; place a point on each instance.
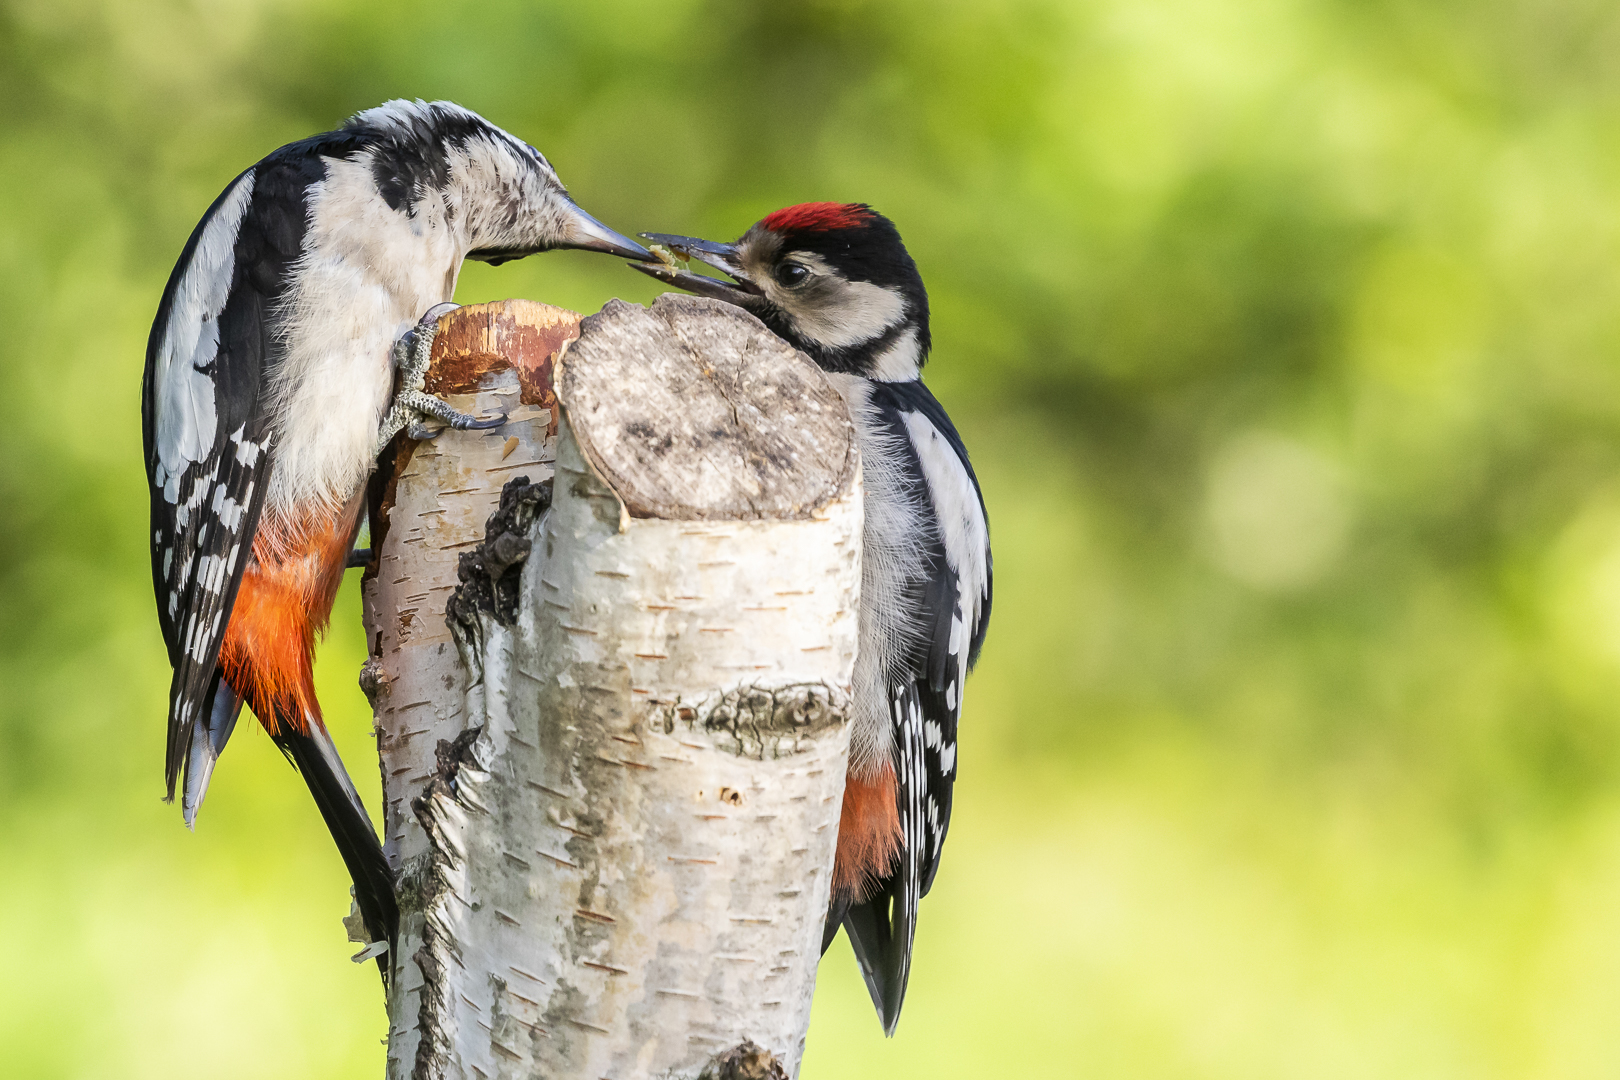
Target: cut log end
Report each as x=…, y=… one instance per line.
x=693, y=410
x=474, y=340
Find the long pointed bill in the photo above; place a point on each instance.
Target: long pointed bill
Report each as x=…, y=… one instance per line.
x=722, y=257
x=588, y=234
x=697, y=283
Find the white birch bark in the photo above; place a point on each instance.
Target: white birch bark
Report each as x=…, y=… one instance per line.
x=487, y=358
x=627, y=853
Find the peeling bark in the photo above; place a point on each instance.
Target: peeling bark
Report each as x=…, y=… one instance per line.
x=486, y=358
x=621, y=853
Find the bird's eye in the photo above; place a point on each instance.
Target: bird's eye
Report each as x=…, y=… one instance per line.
x=790, y=274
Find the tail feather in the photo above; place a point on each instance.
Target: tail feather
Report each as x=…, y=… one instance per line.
x=883, y=925
x=881, y=931
x=836, y=910
x=208, y=739
x=346, y=818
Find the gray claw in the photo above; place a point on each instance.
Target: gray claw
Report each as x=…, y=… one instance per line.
x=412, y=354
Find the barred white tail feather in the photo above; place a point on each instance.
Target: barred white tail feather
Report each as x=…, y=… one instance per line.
x=881, y=930
x=208, y=741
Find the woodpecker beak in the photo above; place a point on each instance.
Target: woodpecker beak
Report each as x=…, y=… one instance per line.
x=588, y=234
x=722, y=257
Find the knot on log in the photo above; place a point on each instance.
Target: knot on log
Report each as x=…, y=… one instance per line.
x=490, y=573
x=760, y=722
x=745, y=1061
x=372, y=680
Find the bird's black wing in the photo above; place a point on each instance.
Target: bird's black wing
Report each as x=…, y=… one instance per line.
x=206, y=431
x=952, y=608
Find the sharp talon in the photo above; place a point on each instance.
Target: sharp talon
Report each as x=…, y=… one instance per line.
x=358, y=557
x=435, y=313
x=412, y=353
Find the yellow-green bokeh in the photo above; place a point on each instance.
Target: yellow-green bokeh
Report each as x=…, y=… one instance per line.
x=1286, y=338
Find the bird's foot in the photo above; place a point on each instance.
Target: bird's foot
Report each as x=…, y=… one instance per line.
x=412, y=354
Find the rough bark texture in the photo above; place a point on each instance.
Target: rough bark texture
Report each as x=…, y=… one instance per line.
x=629, y=833
x=692, y=410
x=486, y=358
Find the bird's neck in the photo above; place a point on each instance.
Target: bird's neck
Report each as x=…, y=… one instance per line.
x=895, y=355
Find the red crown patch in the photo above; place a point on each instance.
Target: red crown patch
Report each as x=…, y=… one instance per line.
x=818, y=217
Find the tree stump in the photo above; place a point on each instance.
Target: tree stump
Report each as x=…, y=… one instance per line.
x=613, y=792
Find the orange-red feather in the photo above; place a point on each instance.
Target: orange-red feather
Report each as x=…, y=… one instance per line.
x=281, y=607
x=818, y=217
x=868, y=834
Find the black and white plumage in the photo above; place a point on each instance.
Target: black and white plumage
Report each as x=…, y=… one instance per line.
x=269, y=369
x=835, y=281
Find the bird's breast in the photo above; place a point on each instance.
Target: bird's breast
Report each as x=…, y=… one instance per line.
x=368, y=273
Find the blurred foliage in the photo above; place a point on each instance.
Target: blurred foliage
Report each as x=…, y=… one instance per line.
x=1284, y=334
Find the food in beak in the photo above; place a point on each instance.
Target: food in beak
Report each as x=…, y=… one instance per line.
x=674, y=255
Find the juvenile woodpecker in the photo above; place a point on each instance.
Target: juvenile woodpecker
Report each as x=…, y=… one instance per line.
x=270, y=376
x=835, y=281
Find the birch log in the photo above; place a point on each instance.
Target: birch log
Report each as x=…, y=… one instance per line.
x=614, y=806
x=486, y=358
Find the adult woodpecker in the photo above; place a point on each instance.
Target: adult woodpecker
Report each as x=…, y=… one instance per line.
x=835, y=281
x=270, y=373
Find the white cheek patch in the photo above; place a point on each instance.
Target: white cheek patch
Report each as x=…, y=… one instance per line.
x=900, y=362
x=834, y=312
x=184, y=395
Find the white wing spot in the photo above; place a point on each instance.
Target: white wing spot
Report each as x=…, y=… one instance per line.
x=183, y=394
x=961, y=518
x=247, y=451
x=227, y=509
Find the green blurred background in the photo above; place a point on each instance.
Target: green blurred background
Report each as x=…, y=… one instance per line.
x=1284, y=334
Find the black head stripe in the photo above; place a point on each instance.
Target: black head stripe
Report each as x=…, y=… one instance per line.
x=409, y=146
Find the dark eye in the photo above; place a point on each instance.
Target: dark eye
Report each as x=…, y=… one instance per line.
x=790, y=274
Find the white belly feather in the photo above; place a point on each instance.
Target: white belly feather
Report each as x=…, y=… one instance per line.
x=891, y=560
x=377, y=271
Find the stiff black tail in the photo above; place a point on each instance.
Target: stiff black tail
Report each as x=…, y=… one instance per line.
x=882, y=927
x=317, y=760
x=881, y=932
x=209, y=734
